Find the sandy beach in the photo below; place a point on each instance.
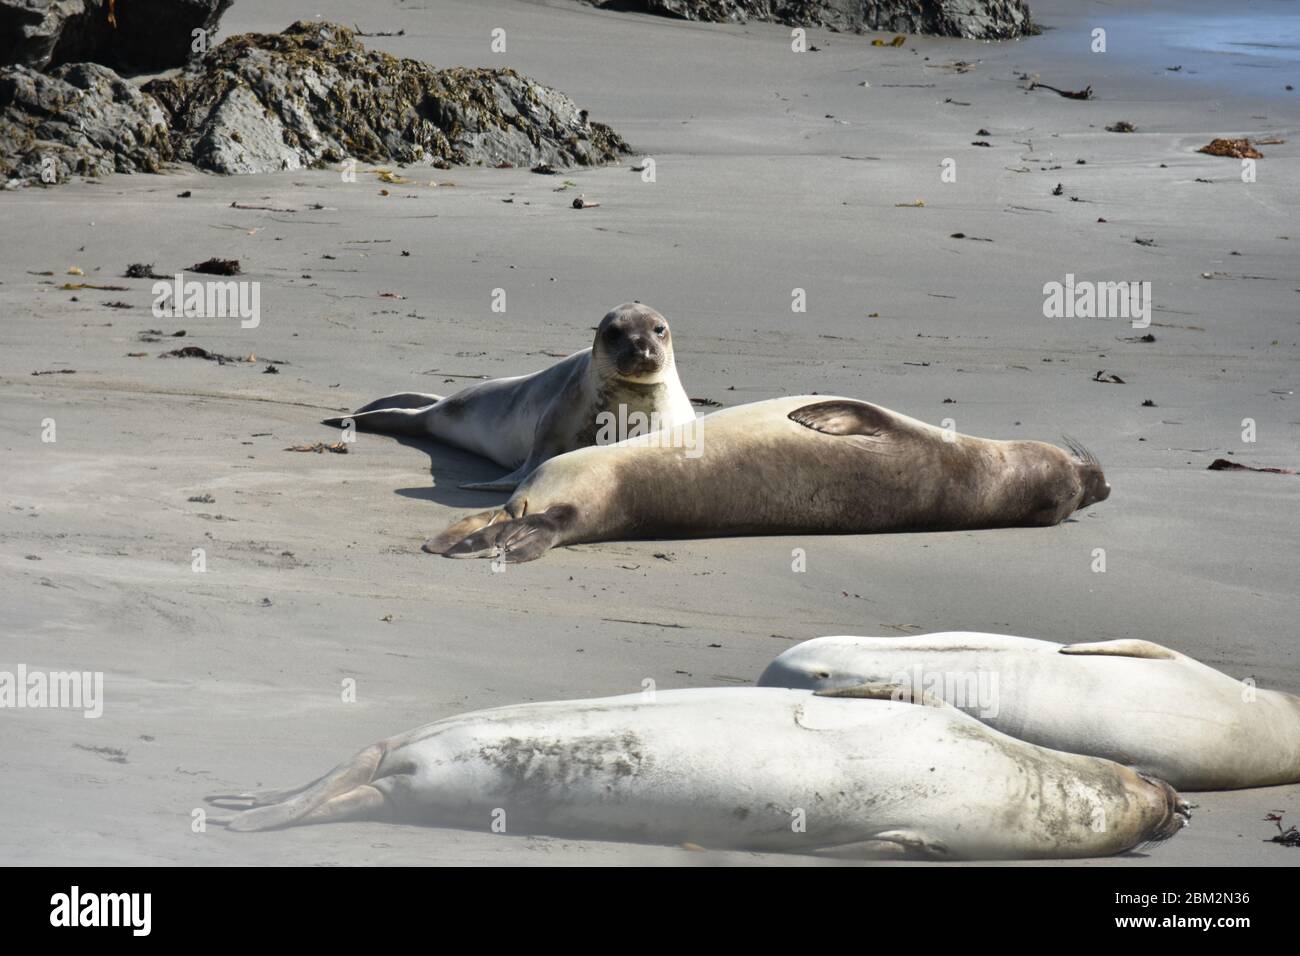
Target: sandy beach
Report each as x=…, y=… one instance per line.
x=774, y=171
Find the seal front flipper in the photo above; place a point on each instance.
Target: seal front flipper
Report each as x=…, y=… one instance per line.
x=1122, y=648
x=884, y=690
x=907, y=843
x=392, y=421
x=464, y=528
x=518, y=540
x=845, y=417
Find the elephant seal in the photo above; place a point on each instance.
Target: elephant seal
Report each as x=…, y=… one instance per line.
x=1130, y=701
x=741, y=768
x=806, y=464
x=629, y=375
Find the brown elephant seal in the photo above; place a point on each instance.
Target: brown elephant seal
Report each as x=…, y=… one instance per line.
x=629, y=375
x=1131, y=701
x=807, y=464
x=741, y=768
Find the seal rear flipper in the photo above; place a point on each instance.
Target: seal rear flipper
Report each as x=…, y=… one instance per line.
x=390, y=421
x=341, y=794
x=844, y=418
x=400, y=400
x=1122, y=648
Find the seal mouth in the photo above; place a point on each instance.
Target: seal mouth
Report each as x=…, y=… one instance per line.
x=639, y=365
x=1178, y=812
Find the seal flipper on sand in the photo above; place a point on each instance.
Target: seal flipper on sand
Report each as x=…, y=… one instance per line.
x=518, y=540
x=465, y=527
x=844, y=418
x=342, y=794
x=390, y=421
x=1122, y=648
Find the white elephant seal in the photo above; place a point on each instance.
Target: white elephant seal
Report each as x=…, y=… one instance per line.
x=629, y=375
x=807, y=464
x=741, y=768
x=1130, y=701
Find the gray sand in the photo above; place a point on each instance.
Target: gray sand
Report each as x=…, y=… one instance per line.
x=757, y=193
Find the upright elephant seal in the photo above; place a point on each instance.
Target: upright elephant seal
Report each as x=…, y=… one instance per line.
x=1130, y=701
x=742, y=768
x=806, y=464
x=629, y=375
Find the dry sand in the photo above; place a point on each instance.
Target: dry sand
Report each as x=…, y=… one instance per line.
x=775, y=171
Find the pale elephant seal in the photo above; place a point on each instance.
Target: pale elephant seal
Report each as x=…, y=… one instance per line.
x=1130, y=701
x=806, y=464
x=741, y=768
x=627, y=378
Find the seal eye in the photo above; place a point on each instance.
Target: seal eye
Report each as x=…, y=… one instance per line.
x=611, y=334
x=660, y=330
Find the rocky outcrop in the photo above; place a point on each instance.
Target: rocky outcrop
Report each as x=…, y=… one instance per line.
x=80, y=119
x=313, y=94
x=310, y=96
x=127, y=35
x=975, y=19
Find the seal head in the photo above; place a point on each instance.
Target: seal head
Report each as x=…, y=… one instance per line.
x=634, y=341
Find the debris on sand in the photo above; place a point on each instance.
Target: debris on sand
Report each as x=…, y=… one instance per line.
x=583, y=203
x=217, y=267
x=706, y=403
x=202, y=499
x=1233, y=148
x=76, y=286
x=1287, y=837
x=57, y=371
x=338, y=448
x=194, y=351
x=1083, y=94
x=1123, y=126
x=1222, y=464
x=897, y=41
x=141, y=270
x=1108, y=379
x=910, y=205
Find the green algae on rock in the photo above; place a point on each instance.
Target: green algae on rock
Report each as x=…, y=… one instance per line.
x=314, y=95
x=308, y=97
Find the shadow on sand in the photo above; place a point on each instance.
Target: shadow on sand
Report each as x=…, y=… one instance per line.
x=448, y=467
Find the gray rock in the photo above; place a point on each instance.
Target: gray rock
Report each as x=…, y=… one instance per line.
x=314, y=95
x=79, y=119
x=976, y=19
x=310, y=96
x=130, y=35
